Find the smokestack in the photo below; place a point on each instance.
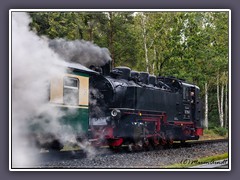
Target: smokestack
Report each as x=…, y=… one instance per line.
x=106, y=69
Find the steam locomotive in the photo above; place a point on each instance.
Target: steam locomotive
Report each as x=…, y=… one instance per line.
x=126, y=107
x=142, y=109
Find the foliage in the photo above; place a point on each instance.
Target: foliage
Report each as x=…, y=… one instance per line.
x=221, y=131
x=188, y=45
x=210, y=134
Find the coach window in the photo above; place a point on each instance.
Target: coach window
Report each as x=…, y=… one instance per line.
x=71, y=91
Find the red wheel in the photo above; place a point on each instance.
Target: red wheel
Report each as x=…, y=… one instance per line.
x=170, y=140
x=163, y=139
x=155, y=140
x=147, y=145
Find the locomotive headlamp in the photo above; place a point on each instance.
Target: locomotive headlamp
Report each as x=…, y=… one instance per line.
x=115, y=112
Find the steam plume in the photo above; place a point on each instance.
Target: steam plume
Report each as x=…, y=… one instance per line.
x=33, y=65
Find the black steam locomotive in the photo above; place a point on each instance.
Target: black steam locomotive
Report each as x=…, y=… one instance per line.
x=139, y=110
x=123, y=107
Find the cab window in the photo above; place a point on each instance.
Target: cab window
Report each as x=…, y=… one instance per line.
x=186, y=94
x=70, y=91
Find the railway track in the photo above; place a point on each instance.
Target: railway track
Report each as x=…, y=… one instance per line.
x=208, y=141
x=192, y=143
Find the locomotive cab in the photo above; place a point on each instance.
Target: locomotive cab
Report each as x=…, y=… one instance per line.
x=188, y=124
x=192, y=108
x=191, y=103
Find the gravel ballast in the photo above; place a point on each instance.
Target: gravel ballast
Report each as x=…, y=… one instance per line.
x=147, y=159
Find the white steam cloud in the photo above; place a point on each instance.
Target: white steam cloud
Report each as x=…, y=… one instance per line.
x=33, y=65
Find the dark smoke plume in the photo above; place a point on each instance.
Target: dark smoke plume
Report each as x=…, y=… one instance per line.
x=80, y=51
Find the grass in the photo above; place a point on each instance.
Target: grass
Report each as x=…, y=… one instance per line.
x=211, y=134
x=189, y=163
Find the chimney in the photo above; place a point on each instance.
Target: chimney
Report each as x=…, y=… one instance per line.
x=106, y=69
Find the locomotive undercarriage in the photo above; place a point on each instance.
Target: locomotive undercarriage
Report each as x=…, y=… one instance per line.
x=141, y=130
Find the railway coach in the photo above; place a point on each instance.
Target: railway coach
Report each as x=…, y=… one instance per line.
x=68, y=96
